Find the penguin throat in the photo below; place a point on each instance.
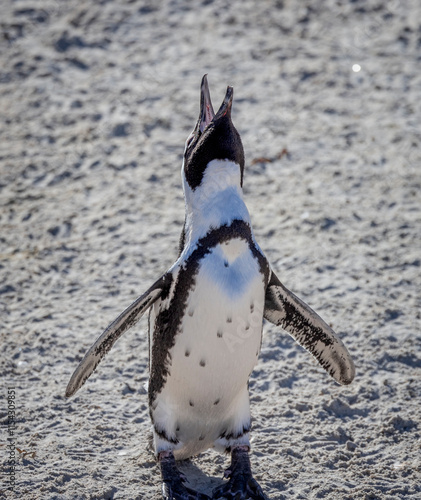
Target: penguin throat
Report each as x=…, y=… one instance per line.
x=218, y=200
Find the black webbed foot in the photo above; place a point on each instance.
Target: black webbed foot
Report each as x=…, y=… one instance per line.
x=173, y=487
x=241, y=484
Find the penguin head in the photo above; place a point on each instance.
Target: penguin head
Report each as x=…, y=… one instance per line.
x=213, y=138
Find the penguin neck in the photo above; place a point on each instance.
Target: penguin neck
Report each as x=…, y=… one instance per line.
x=217, y=201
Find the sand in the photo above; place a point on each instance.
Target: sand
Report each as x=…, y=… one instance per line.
x=96, y=101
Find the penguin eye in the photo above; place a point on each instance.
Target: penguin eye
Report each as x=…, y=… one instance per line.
x=189, y=140
x=194, y=135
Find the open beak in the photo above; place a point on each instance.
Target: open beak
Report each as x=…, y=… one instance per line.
x=207, y=114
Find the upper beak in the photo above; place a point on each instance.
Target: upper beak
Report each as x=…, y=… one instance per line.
x=207, y=114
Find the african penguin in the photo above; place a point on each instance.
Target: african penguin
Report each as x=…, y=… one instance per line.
x=206, y=315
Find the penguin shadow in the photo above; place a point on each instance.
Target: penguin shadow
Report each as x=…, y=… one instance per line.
x=197, y=479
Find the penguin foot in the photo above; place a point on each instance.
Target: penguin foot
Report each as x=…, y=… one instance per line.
x=241, y=484
x=172, y=480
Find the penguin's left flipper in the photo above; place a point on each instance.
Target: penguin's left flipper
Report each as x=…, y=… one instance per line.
x=285, y=309
x=114, y=331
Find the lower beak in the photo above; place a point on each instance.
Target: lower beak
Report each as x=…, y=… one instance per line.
x=206, y=110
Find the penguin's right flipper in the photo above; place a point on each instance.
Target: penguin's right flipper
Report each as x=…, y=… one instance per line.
x=115, y=330
x=285, y=309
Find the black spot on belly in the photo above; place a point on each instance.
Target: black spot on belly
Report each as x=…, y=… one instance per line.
x=167, y=324
x=247, y=327
x=229, y=319
x=252, y=307
x=226, y=263
x=187, y=353
x=191, y=403
x=216, y=402
x=219, y=334
x=202, y=362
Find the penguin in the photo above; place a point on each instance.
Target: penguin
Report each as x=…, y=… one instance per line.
x=206, y=315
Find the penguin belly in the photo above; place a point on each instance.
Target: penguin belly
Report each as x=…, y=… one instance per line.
x=205, y=395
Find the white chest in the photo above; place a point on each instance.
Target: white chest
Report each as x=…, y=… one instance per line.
x=220, y=334
x=217, y=345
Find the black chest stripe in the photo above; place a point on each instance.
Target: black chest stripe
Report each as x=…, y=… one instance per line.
x=168, y=321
